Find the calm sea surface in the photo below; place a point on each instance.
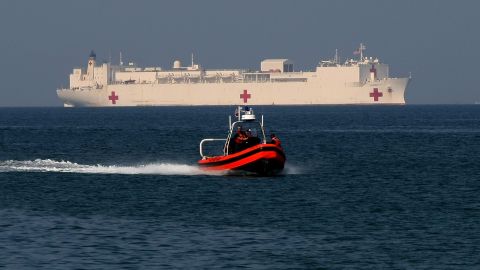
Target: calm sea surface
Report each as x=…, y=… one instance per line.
x=365, y=187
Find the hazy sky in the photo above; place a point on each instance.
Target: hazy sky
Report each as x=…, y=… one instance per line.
x=437, y=41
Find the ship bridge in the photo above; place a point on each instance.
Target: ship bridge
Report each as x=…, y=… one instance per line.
x=276, y=65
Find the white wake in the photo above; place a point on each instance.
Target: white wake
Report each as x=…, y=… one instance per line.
x=292, y=169
x=48, y=165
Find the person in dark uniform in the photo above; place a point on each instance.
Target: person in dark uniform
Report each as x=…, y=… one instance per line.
x=275, y=140
x=240, y=141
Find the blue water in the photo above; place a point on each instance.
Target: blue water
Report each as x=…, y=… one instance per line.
x=365, y=187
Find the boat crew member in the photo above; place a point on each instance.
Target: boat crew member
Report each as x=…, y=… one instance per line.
x=238, y=140
x=275, y=140
x=238, y=137
x=241, y=137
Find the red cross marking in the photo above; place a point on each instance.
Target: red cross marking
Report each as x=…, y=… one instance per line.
x=374, y=70
x=375, y=94
x=245, y=96
x=113, y=98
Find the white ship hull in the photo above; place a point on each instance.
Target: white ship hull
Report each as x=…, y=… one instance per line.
x=390, y=91
x=365, y=81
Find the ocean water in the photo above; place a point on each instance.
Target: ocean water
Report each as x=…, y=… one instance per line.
x=365, y=187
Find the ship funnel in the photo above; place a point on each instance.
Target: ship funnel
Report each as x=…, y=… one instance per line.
x=92, y=54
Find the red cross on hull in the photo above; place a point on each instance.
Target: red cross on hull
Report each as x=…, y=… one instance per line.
x=245, y=96
x=113, y=98
x=375, y=94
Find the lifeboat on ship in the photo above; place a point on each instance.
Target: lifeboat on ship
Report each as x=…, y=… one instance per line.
x=246, y=149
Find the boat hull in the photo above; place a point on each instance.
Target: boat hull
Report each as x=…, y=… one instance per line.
x=262, y=159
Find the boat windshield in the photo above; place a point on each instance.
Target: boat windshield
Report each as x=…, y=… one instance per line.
x=252, y=129
x=244, y=135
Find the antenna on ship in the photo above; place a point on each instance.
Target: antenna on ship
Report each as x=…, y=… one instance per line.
x=192, y=60
x=336, y=56
x=121, y=61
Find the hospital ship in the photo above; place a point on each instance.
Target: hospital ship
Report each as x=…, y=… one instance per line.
x=364, y=80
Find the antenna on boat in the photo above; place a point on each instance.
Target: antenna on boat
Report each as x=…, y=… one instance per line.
x=238, y=113
x=121, y=61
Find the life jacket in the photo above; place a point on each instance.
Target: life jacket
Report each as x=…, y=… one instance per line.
x=240, y=138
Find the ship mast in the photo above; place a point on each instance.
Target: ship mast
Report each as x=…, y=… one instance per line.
x=361, y=49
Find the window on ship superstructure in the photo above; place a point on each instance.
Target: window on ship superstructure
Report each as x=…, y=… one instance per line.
x=263, y=77
x=257, y=77
x=288, y=68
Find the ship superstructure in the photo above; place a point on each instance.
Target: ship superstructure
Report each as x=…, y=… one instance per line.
x=356, y=81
